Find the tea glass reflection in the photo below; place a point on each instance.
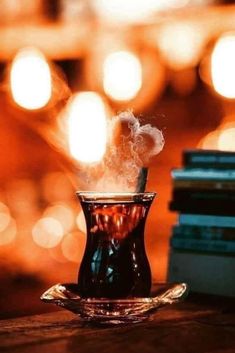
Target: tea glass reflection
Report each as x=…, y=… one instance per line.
x=115, y=265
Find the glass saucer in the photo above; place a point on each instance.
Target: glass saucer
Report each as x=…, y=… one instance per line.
x=114, y=311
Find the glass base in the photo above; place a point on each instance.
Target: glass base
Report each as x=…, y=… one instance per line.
x=114, y=311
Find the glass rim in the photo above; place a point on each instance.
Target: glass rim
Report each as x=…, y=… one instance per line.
x=116, y=196
x=125, y=193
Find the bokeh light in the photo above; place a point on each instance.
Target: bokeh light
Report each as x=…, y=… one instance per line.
x=73, y=246
x=57, y=255
x=47, y=232
x=226, y=139
x=8, y=234
x=223, y=138
x=62, y=213
x=180, y=44
x=210, y=141
x=30, y=79
x=128, y=11
x=223, y=67
x=81, y=222
x=87, y=127
x=122, y=75
x=5, y=216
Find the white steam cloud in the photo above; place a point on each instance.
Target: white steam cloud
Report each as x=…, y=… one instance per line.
x=130, y=147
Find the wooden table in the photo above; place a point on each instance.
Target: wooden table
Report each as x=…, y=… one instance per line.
x=202, y=324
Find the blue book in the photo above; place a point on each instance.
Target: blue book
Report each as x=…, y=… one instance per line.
x=206, y=220
x=203, y=232
x=197, y=158
x=203, y=174
x=203, y=245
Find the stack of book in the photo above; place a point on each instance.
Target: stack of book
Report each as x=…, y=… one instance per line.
x=202, y=251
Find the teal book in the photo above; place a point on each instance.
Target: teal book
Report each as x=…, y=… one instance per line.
x=208, y=159
x=206, y=220
x=203, y=174
x=203, y=245
x=203, y=232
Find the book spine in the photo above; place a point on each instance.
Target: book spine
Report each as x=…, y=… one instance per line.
x=208, y=165
x=206, y=220
x=198, y=232
x=195, y=194
x=204, y=184
x=208, y=159
x=207, y=207
x=204, y=245
x=203, y=194
x=203, y=174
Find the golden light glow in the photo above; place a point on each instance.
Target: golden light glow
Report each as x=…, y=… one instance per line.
x=210, y=141
x=87, y=127
x=47, y=232
x=73, y=246
x=30, y=79
x=62, y=213
x=223, y=66
x=176, y=3
x=19, y=204
x=8, y=234
x=226, y=139
x=132, y=11
x=81, y=223
x=57, y=187
x=5, y=217
x=57, y=255
x=223, y=138
x=122, y=75
x=180, y=44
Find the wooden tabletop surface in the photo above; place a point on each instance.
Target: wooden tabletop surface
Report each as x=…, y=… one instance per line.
x=201, y=324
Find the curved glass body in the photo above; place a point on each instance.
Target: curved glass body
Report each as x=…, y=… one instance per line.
x=115, y=264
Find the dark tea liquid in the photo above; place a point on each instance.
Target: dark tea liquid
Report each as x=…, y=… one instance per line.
x=115, y=263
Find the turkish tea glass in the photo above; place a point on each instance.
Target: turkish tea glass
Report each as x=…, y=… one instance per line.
x=115, y=265
x=114, y=280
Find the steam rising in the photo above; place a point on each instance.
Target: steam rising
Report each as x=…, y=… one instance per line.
x=130, y=147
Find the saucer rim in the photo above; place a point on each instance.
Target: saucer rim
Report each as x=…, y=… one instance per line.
x=169, y=286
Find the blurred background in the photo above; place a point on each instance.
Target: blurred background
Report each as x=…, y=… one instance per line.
x=171, y=61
